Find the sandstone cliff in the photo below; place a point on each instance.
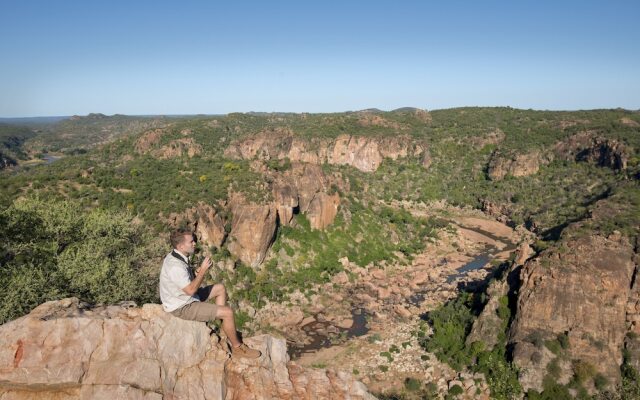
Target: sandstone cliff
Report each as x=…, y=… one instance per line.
x=64, y=350
x=253, y=228
x=588, y=146
x=502, y=164
x=584, y=146
x=148, y=143
x=362, y=152
x=206, y=221
x=571, y=309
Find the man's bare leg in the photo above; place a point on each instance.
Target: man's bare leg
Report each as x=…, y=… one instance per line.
x=225, y=313
x=219, y=293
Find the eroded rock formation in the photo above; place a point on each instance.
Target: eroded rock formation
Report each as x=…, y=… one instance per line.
x=588, y=146
x=66, y=350
x=253, y=228
x=571, y=309
x=206, y=221
x=148, y=143
x=502, y=164
x=363, y=152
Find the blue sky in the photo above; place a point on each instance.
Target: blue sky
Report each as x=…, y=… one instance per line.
x=188, y=57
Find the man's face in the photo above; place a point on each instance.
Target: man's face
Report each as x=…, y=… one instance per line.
x=187, y=246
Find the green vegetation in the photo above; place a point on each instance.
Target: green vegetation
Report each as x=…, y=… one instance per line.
x=51, y=250
x=452, y=323
x=12, y=138
x=82, y=226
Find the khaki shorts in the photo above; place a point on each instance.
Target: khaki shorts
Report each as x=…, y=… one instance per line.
x=198, y=310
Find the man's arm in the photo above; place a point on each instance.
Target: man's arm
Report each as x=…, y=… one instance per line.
x=193, y=287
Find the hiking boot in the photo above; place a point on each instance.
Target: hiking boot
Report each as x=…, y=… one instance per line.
x=244, y=351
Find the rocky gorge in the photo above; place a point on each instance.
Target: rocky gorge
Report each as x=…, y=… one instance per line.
x=349, y=243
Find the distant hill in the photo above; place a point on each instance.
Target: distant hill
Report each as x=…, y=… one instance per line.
x=30, y=121
x=83, y=132
x=12, y=137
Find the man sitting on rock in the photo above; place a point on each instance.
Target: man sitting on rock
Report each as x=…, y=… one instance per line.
x=183, y=297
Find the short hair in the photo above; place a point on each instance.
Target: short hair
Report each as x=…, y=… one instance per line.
x=178, y=235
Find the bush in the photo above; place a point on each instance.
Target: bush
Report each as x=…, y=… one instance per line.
x=553, y=346
x=600, y=381
x=451, y=324
x=583, y=371
x=455, y=390
x=55, y=249
x=412, y=384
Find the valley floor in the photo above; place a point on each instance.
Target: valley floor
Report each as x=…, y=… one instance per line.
x=328, y=330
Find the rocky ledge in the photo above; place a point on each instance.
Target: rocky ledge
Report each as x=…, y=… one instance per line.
x=362, y=152
x=65, y=349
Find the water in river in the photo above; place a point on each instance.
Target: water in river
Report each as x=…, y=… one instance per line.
x=324, y=334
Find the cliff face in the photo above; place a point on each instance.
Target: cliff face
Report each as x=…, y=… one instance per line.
x=362, y=152
x=252, y=230
x=62, y=350
x=503, y=164
x=587, y=146
x=571, y=309
x=584, y=146
x=304, y=188
x=148, y=143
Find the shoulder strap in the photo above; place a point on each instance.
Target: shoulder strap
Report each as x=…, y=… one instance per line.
x=192, y=275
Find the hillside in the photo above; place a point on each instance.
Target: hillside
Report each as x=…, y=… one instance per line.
x=12, y=138
x=329, y=228
x=82, y=132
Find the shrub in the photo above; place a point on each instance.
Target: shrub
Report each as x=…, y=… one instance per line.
x=583, y=371
x=455, y=390
x=600, y=381
x=412, y=384
x=553, y=346
x=55, y=249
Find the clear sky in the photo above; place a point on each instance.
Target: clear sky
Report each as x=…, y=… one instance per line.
x=186, y=57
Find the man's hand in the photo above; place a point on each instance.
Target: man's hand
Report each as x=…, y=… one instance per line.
x=206, y=263
x=192, y=288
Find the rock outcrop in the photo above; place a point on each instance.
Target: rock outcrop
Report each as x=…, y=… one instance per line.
x=588, y=146
x=571, y=309
x=178, y=148
x=489, y=325
x=148, y=143
x=502, y=164
x=495, y=136
x=584, y=146
x=66, y=350
x=323, y=210
x=205, y=221
x=362, y=152
x=632, y=339
x=148, y=140
x=253, y=228
x=6, y=161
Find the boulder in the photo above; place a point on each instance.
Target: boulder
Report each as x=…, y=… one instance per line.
x=210, y=226
x=252, y=230
x=67, y=350
x=323, y=210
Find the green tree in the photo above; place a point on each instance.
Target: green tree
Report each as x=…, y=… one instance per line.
x=55, y=249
